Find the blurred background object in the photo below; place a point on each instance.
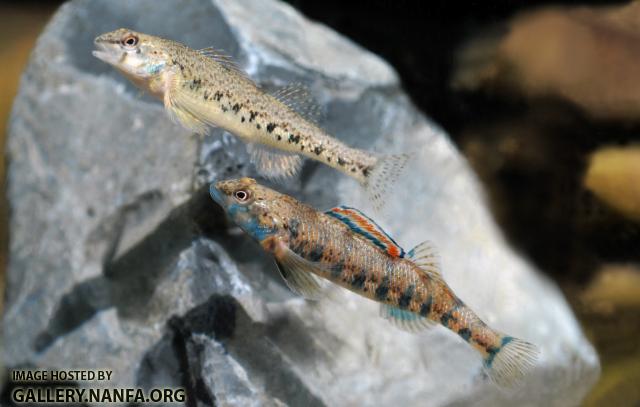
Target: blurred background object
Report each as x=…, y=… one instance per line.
x=544, y=101
x=20, y=24
x=586, y=56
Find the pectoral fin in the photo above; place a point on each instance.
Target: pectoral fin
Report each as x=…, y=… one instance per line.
x=299, y=274
x=180, y=109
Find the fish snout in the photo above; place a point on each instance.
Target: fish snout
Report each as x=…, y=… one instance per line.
x=216, y=194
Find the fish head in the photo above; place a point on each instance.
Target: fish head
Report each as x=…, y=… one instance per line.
x=140, y=57
x=255, y=208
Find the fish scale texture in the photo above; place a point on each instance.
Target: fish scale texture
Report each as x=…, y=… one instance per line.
x=119, y=259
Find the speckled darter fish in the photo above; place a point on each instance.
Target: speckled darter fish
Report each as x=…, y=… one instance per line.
x=345, y=247
x=202, y=87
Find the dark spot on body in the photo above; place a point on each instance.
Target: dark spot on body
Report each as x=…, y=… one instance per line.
x=236, y=108
x=341, y=161
x=279, y=137
x=224, y=109
x=195, y=84
x=258, y=126
x=252, y=115
x=336, y=269
x=359, y=279
x=366, y=171
x=465, y=333
x=217, y=96
x=316, y=253
x=383, y=289
x=293, y=228
x=318, y=150
x=206, y=95
x=446, y=317
x=270, y=127
x=406, y=297
x=175, y=62
x=425, y=308
x=242, y=119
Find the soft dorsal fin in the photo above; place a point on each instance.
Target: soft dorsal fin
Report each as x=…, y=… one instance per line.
x=274, y=164
x=223, y=59
x=365, y=226
x=405, y=320
x=425, y=256
x=300, y=275
x=298, y=97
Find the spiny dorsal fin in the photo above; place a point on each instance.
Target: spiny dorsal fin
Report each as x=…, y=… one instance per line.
x=365, y=226
x=273, y=164
x=223, y=59
x=405, y=320
x=425, y=255
x=298, y=97
x=299, y=274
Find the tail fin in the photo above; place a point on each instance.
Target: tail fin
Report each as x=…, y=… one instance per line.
x=511, y=361
x=384, y=173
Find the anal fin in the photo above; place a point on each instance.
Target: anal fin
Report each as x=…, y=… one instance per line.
x=405, y=320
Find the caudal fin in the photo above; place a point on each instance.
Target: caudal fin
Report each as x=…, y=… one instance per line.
x=511, y=361
x=384, y=174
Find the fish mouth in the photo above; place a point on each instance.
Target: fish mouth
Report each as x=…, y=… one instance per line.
x=103, y=52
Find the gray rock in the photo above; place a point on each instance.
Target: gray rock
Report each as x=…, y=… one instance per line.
x=119, y=260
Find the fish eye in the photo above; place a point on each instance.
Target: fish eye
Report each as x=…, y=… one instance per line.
x=241, y=195
x=130, y=41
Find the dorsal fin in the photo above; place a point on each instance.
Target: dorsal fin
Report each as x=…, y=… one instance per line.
x=298, y=97
x=425, y=256
x=365, y=226
x=223, y=59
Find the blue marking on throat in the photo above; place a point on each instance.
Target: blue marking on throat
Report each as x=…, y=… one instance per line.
x=240, y=215
x=155, y=68
x=259, y=232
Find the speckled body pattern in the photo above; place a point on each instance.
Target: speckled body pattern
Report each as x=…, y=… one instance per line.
x=198, y=88
x=354, y=262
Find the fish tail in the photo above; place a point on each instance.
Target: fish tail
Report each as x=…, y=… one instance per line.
x=384, y=174
x=508, y=363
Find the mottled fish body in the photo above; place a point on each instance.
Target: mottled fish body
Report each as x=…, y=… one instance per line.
x=345, y=247
x=201, y=88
